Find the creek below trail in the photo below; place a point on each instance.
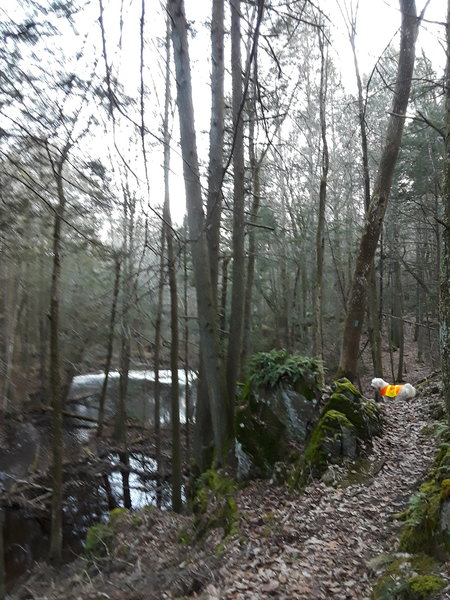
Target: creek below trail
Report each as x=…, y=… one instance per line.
x=25, y=455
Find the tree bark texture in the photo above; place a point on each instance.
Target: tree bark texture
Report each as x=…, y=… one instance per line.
x=238, y=263
x=177, y=503
x=110, y=346
x=207, y=315
x=445, y=259
x=356, y=305
x=216, y=136
x=320, y=233
x=373, y=309
x=56, y=533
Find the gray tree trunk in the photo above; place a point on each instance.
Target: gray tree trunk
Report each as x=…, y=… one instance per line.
x=356, y=305
x=177, y=503
x=238, y=263
x=445, y=259
x=56, y=533
x=207, y=315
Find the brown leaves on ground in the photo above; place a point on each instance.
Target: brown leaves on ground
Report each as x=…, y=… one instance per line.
x=310, y=546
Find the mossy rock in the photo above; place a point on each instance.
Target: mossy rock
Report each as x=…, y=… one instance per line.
x=278, y=407
x=99, y=538
x=422, y=587
x=214, y=506
x=442, y=463
x=333, y=438
x=427, y=523
x=261, y=436
x=362, y=413
x=409, y=578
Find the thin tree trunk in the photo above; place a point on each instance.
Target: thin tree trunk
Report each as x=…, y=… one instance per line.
x=445, y=260
x=256, y=192
x=177, y=504
x=216, y=136
x=56, y=533
x=374, y=220
x=373, y=305
x=157, y=366
x=238, y=264
x=320, y=234
x=222, y=425
x=2, y=556
x=110, y=346
x=14, y=310
x=187, y=388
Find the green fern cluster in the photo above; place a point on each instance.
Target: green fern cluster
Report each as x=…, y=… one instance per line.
x=269, y=369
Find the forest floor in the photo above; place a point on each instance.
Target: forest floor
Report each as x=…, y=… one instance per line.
x=319, y=544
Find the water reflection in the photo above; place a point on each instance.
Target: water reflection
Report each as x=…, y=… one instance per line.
x=85, y=390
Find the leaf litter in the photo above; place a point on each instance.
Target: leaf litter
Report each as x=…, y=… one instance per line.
x=313, y=545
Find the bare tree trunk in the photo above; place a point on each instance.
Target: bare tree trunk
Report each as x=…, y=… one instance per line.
x=187, y=388
x=2, y=556
x=177, y=504
x=373, y=305
x=13, y=309
x=256, y=192
x=445, y=261
x=238, y=264
x=374, y=220
x=110, y=345
x=56, y=533
x=214, y=209
x=157, y=366
x=222, y=425
x=216, y=135
x=320, y=234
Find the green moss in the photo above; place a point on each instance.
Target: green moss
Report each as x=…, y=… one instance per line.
x=346, y=387
x=423, y=529
x=98, y=540
x=363, y=414
x=117, y=514
x=409, y=578
x=326, y=444
x=423, y=587
x=99, y=537
x=214, y=505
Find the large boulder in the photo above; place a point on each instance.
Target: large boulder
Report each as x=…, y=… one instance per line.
x=427, y=520
x=347, y=422
x=278, y=407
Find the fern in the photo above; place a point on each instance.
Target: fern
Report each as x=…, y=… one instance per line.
x=269, y=369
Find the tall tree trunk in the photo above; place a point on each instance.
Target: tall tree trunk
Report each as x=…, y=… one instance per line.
x=373, y=305
x=214, y=209
x=374, y=220
x=2, y=556
x=222, y=425
x=56, y=533
x=320, y=234
x=445, y=261
x=251, y=260
x=157, y=366
x=187, y=381
x=177, y=504
x=216, y=136
x=110, y=346
x=238, y=264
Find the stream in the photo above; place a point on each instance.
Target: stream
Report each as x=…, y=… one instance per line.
x=88, y=499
